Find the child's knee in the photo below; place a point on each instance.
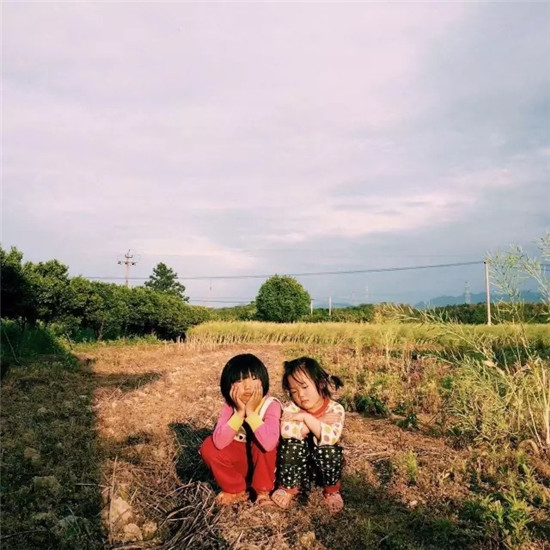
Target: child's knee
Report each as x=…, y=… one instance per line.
x=329, y=453
x=292, y=447
x=207, y=449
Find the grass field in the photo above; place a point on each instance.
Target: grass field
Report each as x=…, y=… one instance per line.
x=388, y=336
x=445, y=442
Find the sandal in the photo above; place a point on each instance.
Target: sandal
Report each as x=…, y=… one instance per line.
x=263, y=499
x=226, y=499
x=334, y=502
x=283, y=498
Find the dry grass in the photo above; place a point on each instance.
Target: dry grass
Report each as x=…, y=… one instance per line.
x=50, y=471
x=153, y=417
x=153, y=406
x=389, y=336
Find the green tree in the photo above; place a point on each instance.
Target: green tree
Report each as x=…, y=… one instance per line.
x=236, y=313
x=282, y=299
x=162, y=314
x=165, y=279
x=49, y=282
x=106, y=309
x=17, y=299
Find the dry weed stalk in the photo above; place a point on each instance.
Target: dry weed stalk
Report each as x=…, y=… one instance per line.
x=192, y=521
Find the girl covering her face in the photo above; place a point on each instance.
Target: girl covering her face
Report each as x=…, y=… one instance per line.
x=246, y=434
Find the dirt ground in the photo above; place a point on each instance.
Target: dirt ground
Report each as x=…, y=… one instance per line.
x=154, y=405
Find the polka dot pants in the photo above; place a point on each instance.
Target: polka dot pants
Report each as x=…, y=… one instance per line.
x=301, y=463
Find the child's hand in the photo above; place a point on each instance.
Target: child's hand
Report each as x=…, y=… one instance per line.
x=235, y=395
x=255, y=398
x=295, y=417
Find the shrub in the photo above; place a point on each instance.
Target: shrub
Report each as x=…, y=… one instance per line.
x=282, y=299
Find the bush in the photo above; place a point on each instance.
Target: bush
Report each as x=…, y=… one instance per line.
x=282, y=299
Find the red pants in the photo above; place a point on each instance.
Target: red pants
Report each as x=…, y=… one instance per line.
x=230, y=465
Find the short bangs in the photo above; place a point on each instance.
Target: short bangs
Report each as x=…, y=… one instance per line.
x=239, y=367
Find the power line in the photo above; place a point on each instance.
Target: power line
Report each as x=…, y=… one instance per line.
x=309, y=273
x=348, y=272
x=208, y=301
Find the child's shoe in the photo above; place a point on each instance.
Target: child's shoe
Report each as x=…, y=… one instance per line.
x=334, y=502
x=227, y=499
x=283, y=497
x=263, y=499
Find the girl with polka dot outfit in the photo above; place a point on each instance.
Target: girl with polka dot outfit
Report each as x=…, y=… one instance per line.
x=311, y=427
x=243, y=446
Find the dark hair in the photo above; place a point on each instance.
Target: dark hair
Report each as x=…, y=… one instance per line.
x=242, y=366
x=321, y=378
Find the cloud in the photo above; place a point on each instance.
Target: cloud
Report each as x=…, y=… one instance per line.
x=194, y=249
x=250, y=137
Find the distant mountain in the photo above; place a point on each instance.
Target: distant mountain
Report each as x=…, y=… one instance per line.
x=476, y=298
x=439, y=301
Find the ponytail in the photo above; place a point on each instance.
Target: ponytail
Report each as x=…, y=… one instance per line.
x=313, y=369
x=336, y=382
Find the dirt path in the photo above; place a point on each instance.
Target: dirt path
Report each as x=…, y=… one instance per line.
x=155, y=404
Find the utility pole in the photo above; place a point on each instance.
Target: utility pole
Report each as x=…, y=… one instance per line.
x=311, y=307
x=127, y=262
x=488, y=291
x=330, y=306
x=467, y=294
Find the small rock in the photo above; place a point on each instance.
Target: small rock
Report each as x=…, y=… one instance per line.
x=117, y=513
x=413, y=504
x=307, y=540
x=132, y=533
x=149, y=529
x=42, y=411
x=48, y=484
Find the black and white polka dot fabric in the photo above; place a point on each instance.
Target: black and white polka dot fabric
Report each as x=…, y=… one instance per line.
x=327, y=464
x=301, y=463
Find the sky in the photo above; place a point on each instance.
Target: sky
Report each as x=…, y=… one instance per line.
x=240, y=139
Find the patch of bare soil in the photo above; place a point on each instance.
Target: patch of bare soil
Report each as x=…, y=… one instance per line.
x=155, y=405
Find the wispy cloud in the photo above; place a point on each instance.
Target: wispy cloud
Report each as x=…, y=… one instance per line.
x=235, y=137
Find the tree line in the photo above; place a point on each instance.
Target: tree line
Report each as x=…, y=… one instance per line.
x=78, y=308
x=81, y=309
x=470, y=314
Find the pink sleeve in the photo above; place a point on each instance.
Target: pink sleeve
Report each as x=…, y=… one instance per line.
x=267, y=435
x=223, y=433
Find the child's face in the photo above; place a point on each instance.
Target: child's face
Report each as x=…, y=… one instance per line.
x=303, y=392
x=246, y=386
